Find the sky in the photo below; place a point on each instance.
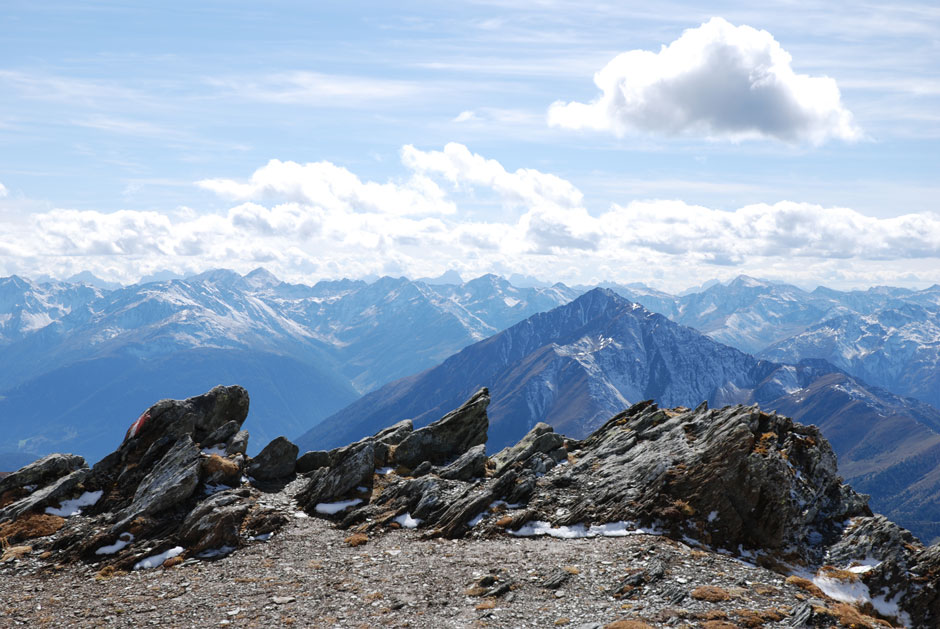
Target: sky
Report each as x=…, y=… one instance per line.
x=663, y=143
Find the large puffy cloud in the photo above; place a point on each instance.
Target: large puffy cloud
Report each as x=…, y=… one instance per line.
x=525, y=186
x=304, y=230
x=334, y=188
x=718, y=81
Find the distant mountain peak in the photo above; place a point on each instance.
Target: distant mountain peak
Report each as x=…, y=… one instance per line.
x=262, y=278
x=450, y=276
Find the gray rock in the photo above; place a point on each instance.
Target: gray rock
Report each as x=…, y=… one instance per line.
x=541, y=439
x=448, y=437
x=215, y=522
x=222, y=434
x=470, y=464
x=198, y=416
x=395, y=434
x=330, y=484
x=169, y=483
x=51, y=494
x=423, y=469
x=277, y=460
x=555, y=579
x=238, y=443
x=42, y=472
x=312, y=460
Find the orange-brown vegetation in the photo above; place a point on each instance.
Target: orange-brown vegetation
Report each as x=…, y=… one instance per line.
x=31, y=526
x=357, y=539
x=710, y=593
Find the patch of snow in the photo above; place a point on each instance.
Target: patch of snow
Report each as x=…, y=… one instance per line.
x=300, y=514
x=263, y=537
x=123, y=540
x=157, y=560
x=329, y=508
x=362, y=488
x=712, y=516
x=611, y=529
x=890, y=608
x=408, y=522
x=509, y=301
x=476, y=520
x=844, y=591
x=382, y=471
x=216, y=449
x=72, y=507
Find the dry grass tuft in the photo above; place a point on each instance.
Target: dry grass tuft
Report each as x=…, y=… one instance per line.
x=840, y=575
x=805, y=584
x=15, y=552
x=710, y=593
x=357, y=539
x=31, y=526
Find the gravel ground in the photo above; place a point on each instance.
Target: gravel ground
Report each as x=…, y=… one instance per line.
x=308, y=575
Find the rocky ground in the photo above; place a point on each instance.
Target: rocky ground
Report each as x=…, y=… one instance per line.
x=717, y=518
x=308, y=574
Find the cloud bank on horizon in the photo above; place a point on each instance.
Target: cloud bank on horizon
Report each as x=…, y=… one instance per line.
x=549, y=192
x=718, y=80
x=322, y=220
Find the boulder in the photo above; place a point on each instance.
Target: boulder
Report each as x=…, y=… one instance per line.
x=49, y=495
x=238, y=443
x=222, y=434
x=42, y=472
x=197, y=417
x=170, y=482
x=277, y=460
x=312, y=460
x=215, y=522
x=329, y=484
x=541, y=439
x=448, y=437
x=471, y=464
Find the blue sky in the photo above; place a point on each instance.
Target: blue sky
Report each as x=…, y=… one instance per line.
x=140, y=136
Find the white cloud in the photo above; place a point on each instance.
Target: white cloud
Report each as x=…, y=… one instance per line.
x=304, y=222
x=317, y=89
x=334, y=188
x=525, y=186
x=3, y=191
x=718, y=81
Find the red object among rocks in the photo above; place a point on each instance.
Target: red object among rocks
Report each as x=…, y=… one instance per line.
x=137, y=425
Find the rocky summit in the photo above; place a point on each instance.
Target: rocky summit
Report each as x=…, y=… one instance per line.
x=661, y=517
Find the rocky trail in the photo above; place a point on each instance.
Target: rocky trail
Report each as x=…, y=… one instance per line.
x=662, y=517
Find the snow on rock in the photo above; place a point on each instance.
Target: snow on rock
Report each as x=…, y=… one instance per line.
x=72, y=507
x=330, y=508
x=408, y=522
x=157, y=560
x=123, y=540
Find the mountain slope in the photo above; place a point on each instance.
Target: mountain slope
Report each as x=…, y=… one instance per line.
x=578, y=364
x=897, y=348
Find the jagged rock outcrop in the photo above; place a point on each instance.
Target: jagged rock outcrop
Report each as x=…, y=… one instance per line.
x=276, y=460
x=735, y=480
x=449, y=436
x=42, y=472
x=167, y=485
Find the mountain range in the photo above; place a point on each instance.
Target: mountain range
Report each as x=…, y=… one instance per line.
x=576, y=365
x=84, y=360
